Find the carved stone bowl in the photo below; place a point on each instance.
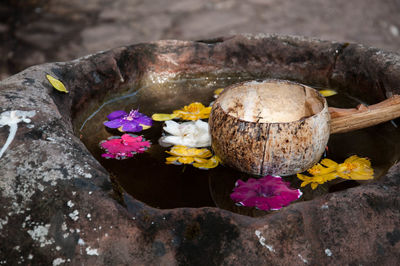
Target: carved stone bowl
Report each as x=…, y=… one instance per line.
x=59, y=206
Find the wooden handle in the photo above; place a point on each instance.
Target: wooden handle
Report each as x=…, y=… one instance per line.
x=345, y=120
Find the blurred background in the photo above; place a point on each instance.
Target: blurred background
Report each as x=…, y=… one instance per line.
x=38, y=31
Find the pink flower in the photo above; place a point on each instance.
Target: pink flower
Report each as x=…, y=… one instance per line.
x=123, y=147
x=266, y=193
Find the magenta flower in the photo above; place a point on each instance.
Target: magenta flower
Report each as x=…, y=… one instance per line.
x=132, y=122
x=266, y=193
x=123, y=147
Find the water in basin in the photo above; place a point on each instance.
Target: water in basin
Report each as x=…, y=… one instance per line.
x=147, y=178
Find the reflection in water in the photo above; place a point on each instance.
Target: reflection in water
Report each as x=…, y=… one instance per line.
x=147, y=178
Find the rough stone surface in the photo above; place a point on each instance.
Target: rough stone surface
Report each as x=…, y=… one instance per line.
x=57, y=202
x=37, y=31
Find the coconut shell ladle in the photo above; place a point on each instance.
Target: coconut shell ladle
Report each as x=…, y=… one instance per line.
x=281, y=127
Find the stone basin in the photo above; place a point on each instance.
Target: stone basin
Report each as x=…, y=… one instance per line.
x=58, y=204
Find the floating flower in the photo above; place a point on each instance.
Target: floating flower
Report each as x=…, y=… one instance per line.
x=355, y=168
x=132, y=122
x=185, y=155
x=211, y=163
x=193, y=111
x=123, y=147
x=266, y=193
x=190, y=134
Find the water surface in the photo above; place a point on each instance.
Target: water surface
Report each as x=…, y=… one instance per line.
x=147, y=178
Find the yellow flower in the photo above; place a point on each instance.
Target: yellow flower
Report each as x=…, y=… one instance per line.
x=317, y=179
x=355, y=168
x=210, y=163
x=184, y=155
x=193, y=111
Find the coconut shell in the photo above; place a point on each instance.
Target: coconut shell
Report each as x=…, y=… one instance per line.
x=253, y=144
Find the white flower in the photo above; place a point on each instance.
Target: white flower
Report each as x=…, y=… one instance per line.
x=190, y=134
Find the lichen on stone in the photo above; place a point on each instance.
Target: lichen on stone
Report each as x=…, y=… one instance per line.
x=11, y=119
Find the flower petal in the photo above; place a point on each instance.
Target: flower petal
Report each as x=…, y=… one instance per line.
x=186, y=160
x=172, y=127
x=131, y=126
x=163, y=117
x=116, y=114
x=266, y=193
x=327, y=92
x=209, y=164
x=113, y=123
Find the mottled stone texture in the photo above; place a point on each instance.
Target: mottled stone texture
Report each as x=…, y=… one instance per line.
x=57, y=203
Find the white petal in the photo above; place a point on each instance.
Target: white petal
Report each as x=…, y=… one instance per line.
x=172, y=127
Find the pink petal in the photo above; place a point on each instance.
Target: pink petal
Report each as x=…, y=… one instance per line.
x=266, y=193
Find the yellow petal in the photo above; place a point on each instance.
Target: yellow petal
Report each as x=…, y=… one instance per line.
x=304, y=184
x=178, y=150
x=211, y=163
x=327, y=93
x=314, y=185
x=218, y=91
x=171, y=160
x=364, y=162
x=144, y=127
x=186, y=160
x=58, y=85
x=204, y=153
x=120, y=129
x=200, y=160
x=360, y=176
x=329, y=163
x=163, y=117
x=351, y=159
x=330, y=176
x=344, y=175
x=303, y=177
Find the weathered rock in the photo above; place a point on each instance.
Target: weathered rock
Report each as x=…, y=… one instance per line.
x=57, y=201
